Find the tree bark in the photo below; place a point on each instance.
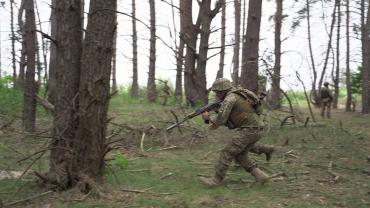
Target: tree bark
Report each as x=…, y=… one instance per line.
x=151, y=87
x=67, y=59
x=179, y=56
x=13, y=43
x=337, y=69
x=190, y=39
x=313, y=95
x=135, y=85
x=51, y=83
x=329, y=47
x=275, y=88
x=29, y=104
x=235, y=74
x=22, y=63
x=366, y=66
x=249, y=73
x=94, y=90
x=348, y=73
x=114, y=60
x=220, y=72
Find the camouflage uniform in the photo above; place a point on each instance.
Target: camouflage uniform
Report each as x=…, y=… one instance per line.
x=166, y=92
x=238, y=112
x=326, y=99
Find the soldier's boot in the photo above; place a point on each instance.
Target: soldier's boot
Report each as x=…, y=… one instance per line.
x=268, y=152
x=211, y=181
x=261, y=177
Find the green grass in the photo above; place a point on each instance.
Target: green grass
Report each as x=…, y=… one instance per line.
x=343, y=140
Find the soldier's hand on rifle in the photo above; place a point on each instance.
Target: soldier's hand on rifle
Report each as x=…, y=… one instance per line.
x=205, y=116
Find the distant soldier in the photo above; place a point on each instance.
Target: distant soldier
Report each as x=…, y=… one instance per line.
x=326, y=99
x=240, y=110
x=166, y=92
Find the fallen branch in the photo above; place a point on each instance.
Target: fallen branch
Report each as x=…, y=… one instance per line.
x=177, y=120
x=166, y=176
x=285, y=120
x=142, y=143
x=168, y=148
x=145, y=192
x=29, y=198
x=334, y=176
x=46, y=104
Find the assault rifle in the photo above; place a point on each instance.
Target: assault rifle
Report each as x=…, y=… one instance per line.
x=197, y=112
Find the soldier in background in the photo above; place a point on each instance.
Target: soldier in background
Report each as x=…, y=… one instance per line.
x=326, y=99
x=166, y=92
x=240, y=110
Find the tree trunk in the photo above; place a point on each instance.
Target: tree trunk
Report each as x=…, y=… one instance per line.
x=337, y=69
x=114, y=61
x=151, y=88
x=13, y=43
x=51, y=83
x=348, y=73
x=366, y=66
x=67, y=65
x=205, y=30
x=275, y=88
x=43, y=47
x=220, y=72
x=29, y=104
x=114, y=58
x=249, y=73
x=135, y=85
x=22, y=63
x=235, y=74
x=179, y=56
x=94, y=89
x=190, y=39
x=329, y=47
x=206, y=16
x=314, y=94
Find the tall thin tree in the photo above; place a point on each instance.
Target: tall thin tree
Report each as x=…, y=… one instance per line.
x=366, y=66
x=220, y=72
x=235, y=74
x=29, y=104
x=135, y=85
x=275, y=87
x=249, y=72
x=337, y=69
x=348, y=73
x=51, y=82
x=179, y=54
x=151, y=87
x=13, y=43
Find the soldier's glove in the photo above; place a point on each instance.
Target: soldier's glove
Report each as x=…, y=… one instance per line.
x=205, y=116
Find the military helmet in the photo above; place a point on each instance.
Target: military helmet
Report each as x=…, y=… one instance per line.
x=326, y=84
x=221, y=84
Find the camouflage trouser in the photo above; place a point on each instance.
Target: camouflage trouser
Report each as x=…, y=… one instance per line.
x=261, y=149
x=326, y=105
x=237, y=149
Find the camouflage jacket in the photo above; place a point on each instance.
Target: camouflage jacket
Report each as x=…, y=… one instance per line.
x=237, y=112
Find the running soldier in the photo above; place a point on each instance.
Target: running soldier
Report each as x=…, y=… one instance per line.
x=240, y=110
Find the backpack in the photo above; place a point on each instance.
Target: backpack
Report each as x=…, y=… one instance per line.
x=251, y=97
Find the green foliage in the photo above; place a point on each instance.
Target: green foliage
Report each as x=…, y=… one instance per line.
x=356, y=83
x=11, y=100
x=6, y=82
x=119, y=161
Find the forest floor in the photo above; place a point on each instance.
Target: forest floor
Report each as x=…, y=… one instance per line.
x=324, y=164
